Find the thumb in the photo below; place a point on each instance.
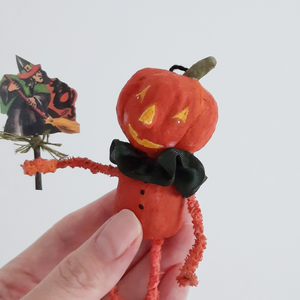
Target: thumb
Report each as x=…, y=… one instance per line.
x=94, y=268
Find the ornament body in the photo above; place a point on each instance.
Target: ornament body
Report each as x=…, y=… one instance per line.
x=159, y=109
x=160, y=209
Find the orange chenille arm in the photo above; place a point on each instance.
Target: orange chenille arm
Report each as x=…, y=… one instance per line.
x=40, y=165
x=187, y=274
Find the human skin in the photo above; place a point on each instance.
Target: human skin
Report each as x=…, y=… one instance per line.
x=68, y=263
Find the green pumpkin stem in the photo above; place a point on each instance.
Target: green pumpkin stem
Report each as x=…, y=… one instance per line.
x=201, y=68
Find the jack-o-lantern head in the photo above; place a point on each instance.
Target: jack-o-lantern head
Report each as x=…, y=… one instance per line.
x=159, y=109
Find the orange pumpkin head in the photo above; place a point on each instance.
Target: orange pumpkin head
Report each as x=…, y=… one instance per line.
x=159, y=109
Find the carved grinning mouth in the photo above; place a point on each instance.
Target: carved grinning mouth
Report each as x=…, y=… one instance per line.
x=144, y=142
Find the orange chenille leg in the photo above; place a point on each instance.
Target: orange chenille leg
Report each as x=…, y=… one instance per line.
x=187, y=275
x=40, y=165
x=155, y=256
x=114, y=295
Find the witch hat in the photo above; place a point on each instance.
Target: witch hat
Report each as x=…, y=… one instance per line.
x=26, y=68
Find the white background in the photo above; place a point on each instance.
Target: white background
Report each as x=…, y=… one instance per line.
x=251, y=201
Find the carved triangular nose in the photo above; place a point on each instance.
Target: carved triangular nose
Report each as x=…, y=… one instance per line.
x=148, y=115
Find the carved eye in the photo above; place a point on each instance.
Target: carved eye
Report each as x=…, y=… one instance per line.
x=142, y=94
x=182, y=116
x=148, y=115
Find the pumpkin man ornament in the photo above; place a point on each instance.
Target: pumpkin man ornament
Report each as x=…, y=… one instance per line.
x=166, y=118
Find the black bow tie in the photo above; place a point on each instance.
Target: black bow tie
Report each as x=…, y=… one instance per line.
x=172, y=166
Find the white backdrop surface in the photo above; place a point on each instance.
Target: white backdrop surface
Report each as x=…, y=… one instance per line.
x=250, y=203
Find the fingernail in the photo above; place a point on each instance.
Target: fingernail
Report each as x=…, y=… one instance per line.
x=118, y=235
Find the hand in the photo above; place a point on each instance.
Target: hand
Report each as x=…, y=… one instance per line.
x=85, y=254
x=13, y=86
x=31, y=101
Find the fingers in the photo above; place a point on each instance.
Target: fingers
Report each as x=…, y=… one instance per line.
x=16, y=86
x=181, y=241
x=94, y=268
x=174, y=252
x=13, y=86
x=169, y=289
x=31, y=102
x=35, y=263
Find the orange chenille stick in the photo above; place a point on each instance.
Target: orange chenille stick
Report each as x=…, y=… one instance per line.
x=41, y=165
x=187, y=275
x=154, y=279
x=152, y=291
